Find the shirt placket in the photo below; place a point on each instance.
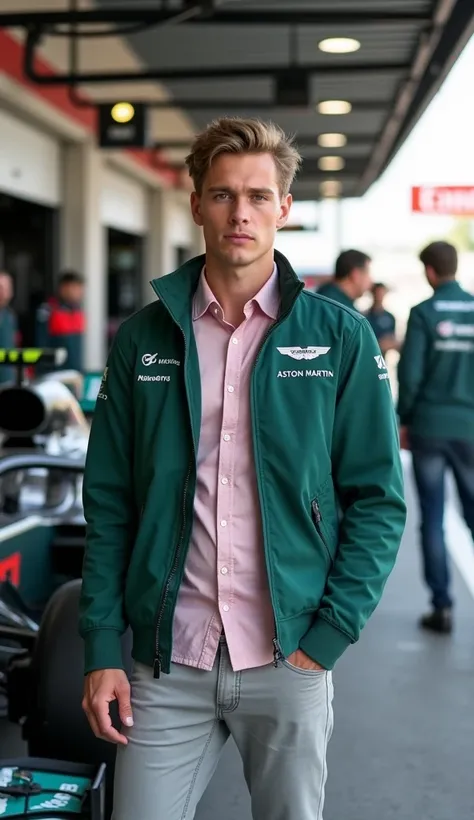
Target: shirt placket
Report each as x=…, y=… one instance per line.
x=226, y=474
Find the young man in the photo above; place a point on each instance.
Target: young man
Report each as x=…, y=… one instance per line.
x=351, y=278
x=235, y=414
x=436, y=411
x=381, y=321
x=60, y=321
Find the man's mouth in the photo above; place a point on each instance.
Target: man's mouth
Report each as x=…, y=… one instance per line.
x=239, y=237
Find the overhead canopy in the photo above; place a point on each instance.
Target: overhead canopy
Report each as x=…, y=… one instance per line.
x=264, y=57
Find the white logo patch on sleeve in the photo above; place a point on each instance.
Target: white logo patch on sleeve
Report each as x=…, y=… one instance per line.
x=381, y=366
x=303, y=352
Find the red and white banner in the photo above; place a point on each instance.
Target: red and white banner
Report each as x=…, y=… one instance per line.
x=446, y=200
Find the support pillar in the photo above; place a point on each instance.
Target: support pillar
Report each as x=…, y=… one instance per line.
x=83, y=243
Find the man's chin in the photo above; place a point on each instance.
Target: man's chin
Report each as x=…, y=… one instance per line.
x=241, y=257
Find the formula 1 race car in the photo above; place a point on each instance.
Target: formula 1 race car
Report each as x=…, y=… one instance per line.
x=68, y=772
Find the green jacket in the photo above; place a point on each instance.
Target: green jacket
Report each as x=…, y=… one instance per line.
x=324, y=434
x=331, y=291
x=436, y=368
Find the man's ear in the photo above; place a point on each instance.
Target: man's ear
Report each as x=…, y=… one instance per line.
x=196, y=208
x=285, y=207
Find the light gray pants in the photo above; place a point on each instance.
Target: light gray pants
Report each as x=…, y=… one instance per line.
x=280, y=718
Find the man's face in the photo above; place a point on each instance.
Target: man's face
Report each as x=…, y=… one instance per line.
x=379, y=296
x=72, y=293
x=240, y=208
x=361, y=278
x=6, y=290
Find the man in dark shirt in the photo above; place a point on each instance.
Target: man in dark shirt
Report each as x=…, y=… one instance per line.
x=382, y=322
x=351, y=278
x=436, y=411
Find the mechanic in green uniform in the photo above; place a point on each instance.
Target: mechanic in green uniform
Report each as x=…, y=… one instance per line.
x=382, y=322
x=351, y=278
x=436, y=410
x=8, y=324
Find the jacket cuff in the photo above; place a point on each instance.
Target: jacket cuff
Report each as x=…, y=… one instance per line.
x=324, y=643
x=102, y=650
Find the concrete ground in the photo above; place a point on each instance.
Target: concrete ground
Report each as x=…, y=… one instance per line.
x=403, y=743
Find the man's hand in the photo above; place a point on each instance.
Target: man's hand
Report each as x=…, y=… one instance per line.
x=101, y=689
x=404, y=438
x=303, y=661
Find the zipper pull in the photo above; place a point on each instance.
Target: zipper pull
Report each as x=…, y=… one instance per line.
x=157, y=668
x=316, y=512
x=277, y=653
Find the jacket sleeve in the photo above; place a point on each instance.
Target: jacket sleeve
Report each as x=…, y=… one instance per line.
x=110, y=512
x=411, y=367
x=368, y=479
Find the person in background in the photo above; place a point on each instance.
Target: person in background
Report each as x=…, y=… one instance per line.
x=60, y=321
x=351, y=278
x=382, y=322
x=8, y=324
x=436, y=412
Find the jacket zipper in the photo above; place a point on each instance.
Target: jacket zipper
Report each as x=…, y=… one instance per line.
x=318, y=519
x=277, y=651
x=158, y=659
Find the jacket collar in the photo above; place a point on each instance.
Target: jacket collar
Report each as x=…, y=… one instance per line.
x=452, y=285
x=176, y=290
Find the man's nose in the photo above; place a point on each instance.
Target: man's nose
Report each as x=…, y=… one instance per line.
x=239, y=213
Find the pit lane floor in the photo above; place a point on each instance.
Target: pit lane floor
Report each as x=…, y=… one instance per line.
x=403, y=743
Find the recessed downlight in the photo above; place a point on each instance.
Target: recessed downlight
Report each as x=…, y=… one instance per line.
x=330, y=188
x=339, y=45
x=334, y=107
x=331, y=163
x=332, y=140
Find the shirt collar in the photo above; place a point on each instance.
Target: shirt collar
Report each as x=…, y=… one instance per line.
x=268, y=298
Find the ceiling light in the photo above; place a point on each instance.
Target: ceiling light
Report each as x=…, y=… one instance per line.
x=332, y=140
x=331, y=163
x=339, y=45
x=334, y=107
x=123, y=112
x=330, y=188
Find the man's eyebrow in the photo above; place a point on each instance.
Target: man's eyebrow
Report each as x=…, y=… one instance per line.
x=225, y=189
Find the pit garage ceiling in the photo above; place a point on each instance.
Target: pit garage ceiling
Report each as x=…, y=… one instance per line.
x=264, y=57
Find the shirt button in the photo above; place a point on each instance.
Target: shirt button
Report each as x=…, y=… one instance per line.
x=224, y=523
x=226, y=607
x=235, y=341
x=226, y=437
x=230, y=389
x=224, y=480
x=224, y=570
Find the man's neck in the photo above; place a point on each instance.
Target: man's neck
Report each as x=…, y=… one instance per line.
x=346, y=287
x=234, y=287
x=446, y=281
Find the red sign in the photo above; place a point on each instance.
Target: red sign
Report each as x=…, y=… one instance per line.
x=10, y=569
x=444, y=200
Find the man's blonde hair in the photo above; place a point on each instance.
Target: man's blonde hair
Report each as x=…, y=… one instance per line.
x=235, y=135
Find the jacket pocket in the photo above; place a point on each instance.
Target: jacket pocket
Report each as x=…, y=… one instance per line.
x=318, y=522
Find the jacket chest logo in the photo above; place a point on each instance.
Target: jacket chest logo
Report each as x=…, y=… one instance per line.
x=303, y=352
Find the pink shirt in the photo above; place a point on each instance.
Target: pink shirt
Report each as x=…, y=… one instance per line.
x=225, y=584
